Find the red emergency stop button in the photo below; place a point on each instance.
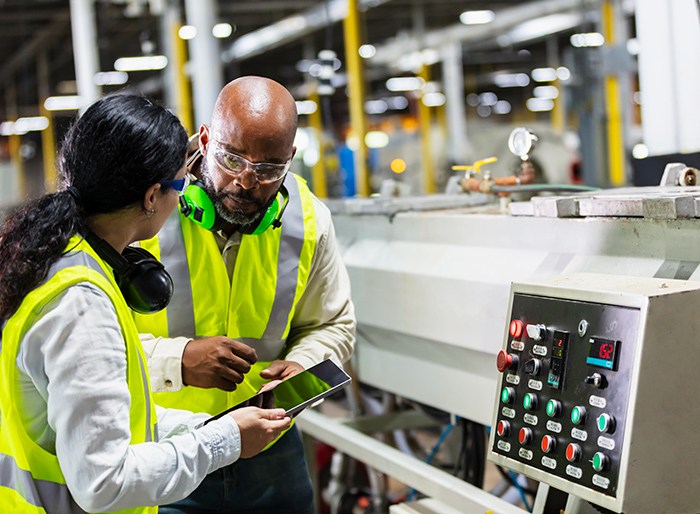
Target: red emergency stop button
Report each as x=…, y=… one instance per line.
x=516, y=328
x=548, y=444
x=505, y=360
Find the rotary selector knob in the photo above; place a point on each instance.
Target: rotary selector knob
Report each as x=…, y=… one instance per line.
x=596, y=380
x=536, y=332
x=532, y=367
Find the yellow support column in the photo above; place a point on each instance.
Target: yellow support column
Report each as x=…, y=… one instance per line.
x=318, y=171
x=616, y=156
x=48, y=148
x=183, y=94
x=425, y=137
x=358, y=124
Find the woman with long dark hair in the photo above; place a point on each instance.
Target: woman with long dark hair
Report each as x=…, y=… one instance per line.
x=78, y=427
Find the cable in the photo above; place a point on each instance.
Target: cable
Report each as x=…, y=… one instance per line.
x=446, y=431
x=520, y=490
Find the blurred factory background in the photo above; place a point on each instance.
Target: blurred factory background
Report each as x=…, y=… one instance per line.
x=590, y=109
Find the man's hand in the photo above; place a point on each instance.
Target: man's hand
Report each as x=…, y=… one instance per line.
x=280, y=370
x=216, y=362
x=258, y=428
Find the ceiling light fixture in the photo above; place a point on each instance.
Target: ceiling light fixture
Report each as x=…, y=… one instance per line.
x=143, y=63
x=477, y=17
x=63, y=103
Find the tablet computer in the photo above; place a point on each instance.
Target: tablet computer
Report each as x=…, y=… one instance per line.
x=299, y=391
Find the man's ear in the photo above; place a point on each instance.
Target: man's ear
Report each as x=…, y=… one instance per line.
x=294, y=152
x=203, y=137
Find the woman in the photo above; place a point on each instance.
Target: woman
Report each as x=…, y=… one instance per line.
x=78, y=430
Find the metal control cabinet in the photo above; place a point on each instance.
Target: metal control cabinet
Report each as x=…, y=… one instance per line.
x=597, y=395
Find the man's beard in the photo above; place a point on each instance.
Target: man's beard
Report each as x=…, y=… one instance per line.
x=233, y=216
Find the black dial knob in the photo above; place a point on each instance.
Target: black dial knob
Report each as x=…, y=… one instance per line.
x=532, y=367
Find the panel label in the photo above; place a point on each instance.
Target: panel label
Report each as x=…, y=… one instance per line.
x=601, y=481
x=597, y=401
x=530, y=419
x=554, y=426
x=549, y=462
x=525, y=454
x=517, y=345
x=513, y=379
x=573, y=471
x=606, y=442
x=534, y=384
x=503, y=446
x=540, y=350
x=579, y=434
x=508, y=413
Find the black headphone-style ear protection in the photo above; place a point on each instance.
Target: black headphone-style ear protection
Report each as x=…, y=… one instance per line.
x=196, y=205
x=145, y=284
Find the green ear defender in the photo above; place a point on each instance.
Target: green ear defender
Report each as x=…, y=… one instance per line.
x=196, y=205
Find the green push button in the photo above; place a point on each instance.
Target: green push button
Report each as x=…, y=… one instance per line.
x=577, y=415
x=507, y=395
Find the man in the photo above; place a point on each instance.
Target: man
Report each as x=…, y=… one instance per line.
x=264, y=303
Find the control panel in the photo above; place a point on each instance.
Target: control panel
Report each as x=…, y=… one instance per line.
x=569, y=398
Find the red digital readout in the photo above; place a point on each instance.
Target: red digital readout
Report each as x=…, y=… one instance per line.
x=606, y=351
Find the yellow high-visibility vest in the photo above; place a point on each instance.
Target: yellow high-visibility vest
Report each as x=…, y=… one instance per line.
x=31, y=481
x=255, y=307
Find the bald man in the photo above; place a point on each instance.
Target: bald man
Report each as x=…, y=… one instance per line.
x=261, y=292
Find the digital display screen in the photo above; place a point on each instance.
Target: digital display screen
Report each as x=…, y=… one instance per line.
x=602, y=353
x=560, y=341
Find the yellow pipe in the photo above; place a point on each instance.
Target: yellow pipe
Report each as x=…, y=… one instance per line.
x=14, y=143
x=48, y=149
x=183, y=95
x=356, y=95
x=616, y=157
x=557, y=114
x=424, y=123
x=318, y=171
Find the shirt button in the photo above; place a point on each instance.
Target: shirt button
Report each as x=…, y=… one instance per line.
x=168, y=383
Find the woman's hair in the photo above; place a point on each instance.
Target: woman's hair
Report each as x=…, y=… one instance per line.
x=120, y=146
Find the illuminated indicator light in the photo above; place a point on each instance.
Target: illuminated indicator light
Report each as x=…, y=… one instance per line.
x=503, y=428
x=516, y=328
x=548, y=443
x=507, y=395
x=530, y=401
x=573, y=452
x=606, y=423
x=600, y=461
x=577, y=415
x=524, y=435
x=398, y=165
x=552, y=408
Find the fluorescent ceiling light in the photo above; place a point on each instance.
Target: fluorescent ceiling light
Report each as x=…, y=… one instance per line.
x=110, y=78
x=376, y=139
x=222, y=30
x=544, y=74
x=502, y=107
x=588, y=39
x=542, y=27
x=550, y=92
x=376, y=106
x=405, y=83
x=539, y=104
x=511, y=80
x=63, y=103
x=187, y=32
x=306, y=107
x=24, y=125
x=477, y=17
x=146, y=62
x=367, y=51
x=433, y=99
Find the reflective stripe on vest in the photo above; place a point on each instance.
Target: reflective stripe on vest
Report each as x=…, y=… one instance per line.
x=31, y=480
x=256, y=306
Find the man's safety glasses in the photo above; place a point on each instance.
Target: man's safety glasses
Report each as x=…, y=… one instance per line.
x=233, y=164
x=178, y=184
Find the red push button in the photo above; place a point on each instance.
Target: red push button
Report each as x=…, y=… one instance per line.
x=573, y=452
x=548, y=444
x=503, y=428
x=505, y=360
x=516, y=328
x=525, y=435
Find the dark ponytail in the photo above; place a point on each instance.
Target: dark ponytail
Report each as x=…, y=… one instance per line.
x=121, y=146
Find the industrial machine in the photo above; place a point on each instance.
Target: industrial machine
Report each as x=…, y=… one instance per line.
x=594, y=395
